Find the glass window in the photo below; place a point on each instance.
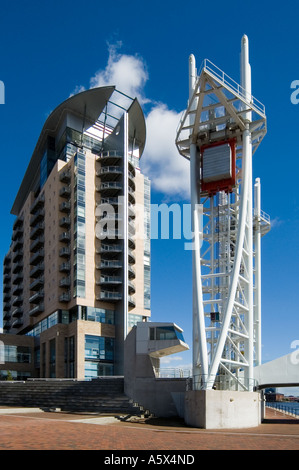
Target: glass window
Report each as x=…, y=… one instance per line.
x=99, y=347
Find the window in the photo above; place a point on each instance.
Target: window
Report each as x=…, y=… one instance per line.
x=165, y=333
x=53, y=358
x=99, y=356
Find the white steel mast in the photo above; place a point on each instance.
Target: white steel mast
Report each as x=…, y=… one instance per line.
x=219, y=132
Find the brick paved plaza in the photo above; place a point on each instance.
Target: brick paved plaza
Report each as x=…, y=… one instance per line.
x=38, y=430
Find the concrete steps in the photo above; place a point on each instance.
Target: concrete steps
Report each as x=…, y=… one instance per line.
x=102, y=395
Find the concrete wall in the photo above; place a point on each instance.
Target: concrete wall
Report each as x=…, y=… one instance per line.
x=159, y=396
x=215, y=409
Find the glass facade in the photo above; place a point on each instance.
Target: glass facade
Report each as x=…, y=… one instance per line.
x=19, y=354
x=99, y=356
x=79, y=225
x=100, y=315
x=147, y=249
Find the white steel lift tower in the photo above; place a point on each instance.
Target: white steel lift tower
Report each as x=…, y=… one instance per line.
x=219, y=132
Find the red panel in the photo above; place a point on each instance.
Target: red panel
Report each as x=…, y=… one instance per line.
x=221, y=185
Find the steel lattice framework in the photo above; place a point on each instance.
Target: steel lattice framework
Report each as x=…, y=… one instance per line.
x=227, y=232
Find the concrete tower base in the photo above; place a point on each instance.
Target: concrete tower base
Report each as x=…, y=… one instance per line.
x=215, y=409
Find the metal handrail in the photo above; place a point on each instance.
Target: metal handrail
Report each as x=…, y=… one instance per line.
x=228, y=82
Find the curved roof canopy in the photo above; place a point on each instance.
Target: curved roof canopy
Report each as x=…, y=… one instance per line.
x=87, y=105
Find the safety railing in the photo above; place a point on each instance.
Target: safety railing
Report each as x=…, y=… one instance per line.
x=221, y=382
x=172, y=373
x=286, y=408
x=229, y=83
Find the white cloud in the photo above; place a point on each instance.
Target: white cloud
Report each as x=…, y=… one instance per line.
x=128, y=73
x=170, y=359
x=161, y=161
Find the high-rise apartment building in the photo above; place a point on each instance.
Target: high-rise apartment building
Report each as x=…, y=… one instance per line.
x=77, y=275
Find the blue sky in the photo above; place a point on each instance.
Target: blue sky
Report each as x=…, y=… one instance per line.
x=49, y=50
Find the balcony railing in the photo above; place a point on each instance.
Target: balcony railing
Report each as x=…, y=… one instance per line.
x=37, y=270
x=104, y=280
x=65, y=237
x=110, y=296
x=64, y=267
x=109, y=264
x=37, y=230
x=65, y=191
x=37, y=217
x=38, y=243
x=65, y=282
x=36, y=257
x=35, y=298
x=65, y=252
x=36, y=310
x=66, y=297
x=65, y=222
x=37, y=283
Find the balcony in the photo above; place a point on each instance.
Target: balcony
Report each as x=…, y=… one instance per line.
x=37, y=283
x=65, y=176
x=38, y=243
x=65, y=267
x=18, y=278
x=18, y=244
x=17, y=233
x=37, y=230
x=66, y=297
x=37, y=217
x=37, y=270
x=18, y=267
x=6, y=315
x=65, y=206
x=18, y=223
x=109, y=171
x=35, y=298
x=65, y=237
x=113, y=249
x=6, y=278
x=65, y=192
x=113, y=201
x=6, y=297
x=131, y=301
x=131, y=272
x=131, y=193
x=38, y=203
x=109, y=264
x=7, y=325
x=17, y=290
x=37, y=257
x=110, y=296
x=65, y=222
x=109, y=187
x=17, y=301
x=131, y=287
x=65, y=282
x=65, y=252
x=110, y=156
x=107, y=280
x=131, y=257
x=6, y=306
x=18, y=254
x=17, y=312
x=17, y=323
x=36, y=310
